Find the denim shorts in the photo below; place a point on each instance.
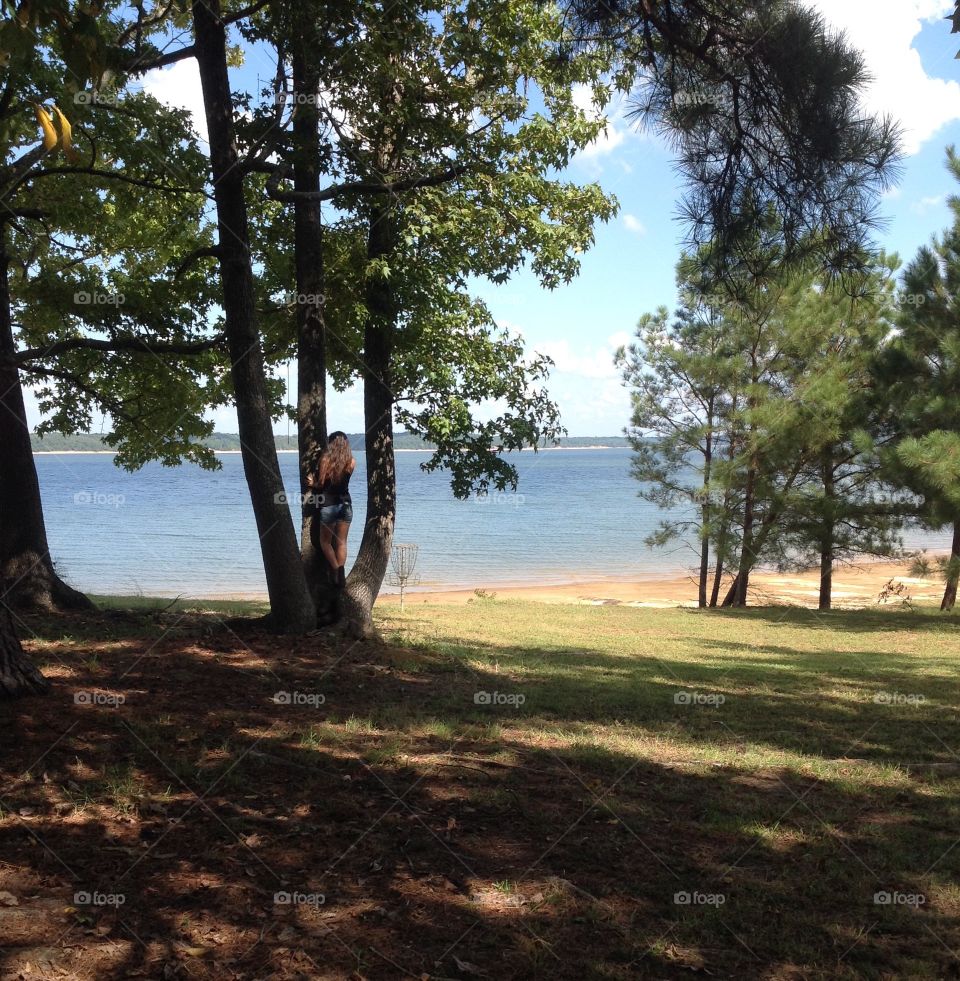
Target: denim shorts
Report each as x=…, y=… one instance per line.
x=330, y=514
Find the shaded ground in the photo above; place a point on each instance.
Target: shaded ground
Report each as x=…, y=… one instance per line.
x=768, y=794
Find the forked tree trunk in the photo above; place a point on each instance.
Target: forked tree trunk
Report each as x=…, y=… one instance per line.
x=370, y=567
x=373, y=557
x=18, y=674
x=25, y=562
x=292, y=609
x=311, y=327
x=740, y=584
x=953, y=571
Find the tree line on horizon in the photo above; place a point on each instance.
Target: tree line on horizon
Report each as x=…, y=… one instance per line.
x=337, y=216
x=58, y=442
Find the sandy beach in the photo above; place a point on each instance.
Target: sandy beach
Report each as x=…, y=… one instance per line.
x=854, y=586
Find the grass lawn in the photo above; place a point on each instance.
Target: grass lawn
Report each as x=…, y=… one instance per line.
x=501, y=790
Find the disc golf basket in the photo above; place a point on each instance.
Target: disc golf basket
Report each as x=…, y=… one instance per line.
x=403, y=561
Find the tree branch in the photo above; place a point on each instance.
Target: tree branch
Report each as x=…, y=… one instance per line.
x=139, y=345
x=35, y=213
x=138, y=66
x=362, y=187
x=113, y=406
x=112, y=175
x=209, y=250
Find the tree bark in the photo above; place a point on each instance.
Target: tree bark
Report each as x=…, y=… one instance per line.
x=953, y=571
x=292, y=609
x=737, y=596
x=706, y=511
x=373, y=557
x=311, y=327
x=717, y=582
x=827, y=534
x=704, y=572
x=724, y=533
x=741, y=583
x=18, y=674
x=25, y=562
x=826, y=575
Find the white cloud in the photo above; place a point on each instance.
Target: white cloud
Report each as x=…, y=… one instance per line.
x=179, y=86
x=584, y=363
x=884, y=30
x=616, y=130
x=634, y=224
x=922, y=206
x=600, y=407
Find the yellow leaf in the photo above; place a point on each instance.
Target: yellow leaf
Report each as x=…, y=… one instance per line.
x=50, y=138
x=66, y=135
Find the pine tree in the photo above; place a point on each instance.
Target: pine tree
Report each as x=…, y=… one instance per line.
x=682, y=389
x=920, y=372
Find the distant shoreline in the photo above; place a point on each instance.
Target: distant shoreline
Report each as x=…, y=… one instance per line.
x=540, y=449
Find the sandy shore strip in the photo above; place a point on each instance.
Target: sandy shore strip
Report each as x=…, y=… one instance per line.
x=854, y=587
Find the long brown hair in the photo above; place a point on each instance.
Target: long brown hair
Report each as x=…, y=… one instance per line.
x=335, y=459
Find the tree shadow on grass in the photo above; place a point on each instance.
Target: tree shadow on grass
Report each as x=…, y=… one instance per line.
x=867, y=620
x=445, y=837
x=867, y=704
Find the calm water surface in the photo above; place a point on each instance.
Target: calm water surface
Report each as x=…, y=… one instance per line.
x=165, y=531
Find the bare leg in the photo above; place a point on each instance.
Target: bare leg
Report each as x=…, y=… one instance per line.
x=327, y=546
x=340, y=531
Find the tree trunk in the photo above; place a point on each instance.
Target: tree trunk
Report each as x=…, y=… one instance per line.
x=826, y=575
x=705, y=514
x=370, y=567
x=741, y=583
x=311, y=327
x=25, y=562
x=953, y=571
x=827, y=534
x=18, y=674
x=704, y=572
x=737, y=596
x=292, y=610
x=724, y=534
x=717, y=582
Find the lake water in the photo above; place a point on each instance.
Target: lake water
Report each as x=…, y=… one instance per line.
x=167, y=531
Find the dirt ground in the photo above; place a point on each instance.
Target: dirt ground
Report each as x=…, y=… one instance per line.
x=165, y=813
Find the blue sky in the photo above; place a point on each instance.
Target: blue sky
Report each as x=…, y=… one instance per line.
x=910, y=52
x=631, y=268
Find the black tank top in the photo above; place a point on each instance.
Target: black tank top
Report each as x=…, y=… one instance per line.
x=338, y=488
